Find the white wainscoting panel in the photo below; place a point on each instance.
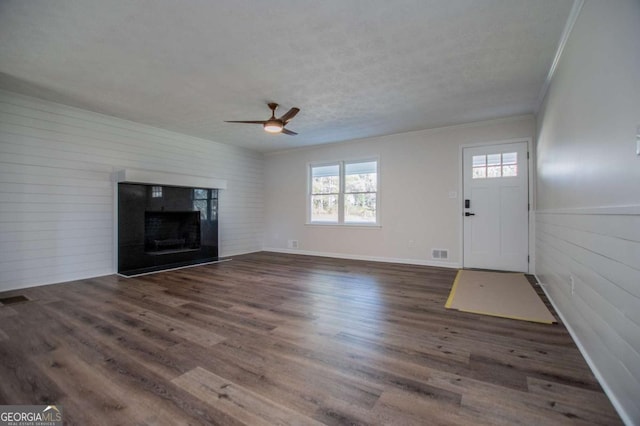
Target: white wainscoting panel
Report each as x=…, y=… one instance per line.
x=57, y=194
x=600, y=250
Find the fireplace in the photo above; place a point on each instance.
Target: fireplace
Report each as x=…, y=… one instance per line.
x=162, y=227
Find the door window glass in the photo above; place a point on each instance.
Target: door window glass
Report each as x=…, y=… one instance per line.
x=494, y=165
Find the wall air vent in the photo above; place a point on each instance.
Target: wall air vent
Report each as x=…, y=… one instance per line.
x=439, y=253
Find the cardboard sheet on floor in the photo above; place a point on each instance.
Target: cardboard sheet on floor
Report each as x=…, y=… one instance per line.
x=506, y=295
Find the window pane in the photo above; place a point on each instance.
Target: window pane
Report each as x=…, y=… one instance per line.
x=493, y=159
x=509, y=158
x=324, y=208
x=361, y=177
x=325, y=185
x=320, y=171
x=325, y=179
x=493, y=172
x=360, y=168
x=479, y=173
x=510, y=170
x=361, y=183
x=479, y=160
x=360, y=208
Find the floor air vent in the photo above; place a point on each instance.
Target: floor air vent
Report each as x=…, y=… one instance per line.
x=13, y=299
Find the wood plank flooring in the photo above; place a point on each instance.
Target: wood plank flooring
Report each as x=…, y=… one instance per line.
x=281, y=339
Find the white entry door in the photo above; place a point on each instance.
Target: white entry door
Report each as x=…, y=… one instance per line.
x=496, y=207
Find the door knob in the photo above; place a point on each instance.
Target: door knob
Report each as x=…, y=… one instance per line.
x=469, y=214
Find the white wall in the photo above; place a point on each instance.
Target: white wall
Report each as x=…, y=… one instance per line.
x=417, y=172
x=587, y=169
x=56, y=189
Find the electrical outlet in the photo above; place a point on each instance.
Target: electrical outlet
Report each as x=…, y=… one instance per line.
x=411, y=243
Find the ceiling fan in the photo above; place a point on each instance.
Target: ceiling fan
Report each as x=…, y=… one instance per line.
x=274, y=125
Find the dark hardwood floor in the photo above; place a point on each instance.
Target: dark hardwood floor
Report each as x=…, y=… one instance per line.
x=281, y=339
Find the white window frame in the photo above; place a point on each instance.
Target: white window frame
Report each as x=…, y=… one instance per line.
x=341, y=193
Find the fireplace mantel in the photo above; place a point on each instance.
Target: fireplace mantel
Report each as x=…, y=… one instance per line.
x=150, y=177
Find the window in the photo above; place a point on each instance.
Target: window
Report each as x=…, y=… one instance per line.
x=495, y=165
x=345, y=192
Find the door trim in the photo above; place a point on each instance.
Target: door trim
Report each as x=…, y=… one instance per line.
x=530, y=186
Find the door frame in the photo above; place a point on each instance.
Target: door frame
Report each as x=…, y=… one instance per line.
x=530, y=197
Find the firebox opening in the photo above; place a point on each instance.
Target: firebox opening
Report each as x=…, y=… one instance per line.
x=171, y=232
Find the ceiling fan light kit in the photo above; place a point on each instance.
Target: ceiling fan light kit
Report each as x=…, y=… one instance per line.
x=273, y=124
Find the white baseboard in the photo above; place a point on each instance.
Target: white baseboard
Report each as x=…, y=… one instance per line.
x=69, y=278
x=237, y=253
x=605, y=387
x=420, y=262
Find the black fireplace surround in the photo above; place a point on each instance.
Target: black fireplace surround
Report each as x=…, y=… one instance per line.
x=162, y=227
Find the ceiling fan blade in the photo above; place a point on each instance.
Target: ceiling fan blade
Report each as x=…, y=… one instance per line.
x=290, y=114
x=247, y=122
x=288, y=132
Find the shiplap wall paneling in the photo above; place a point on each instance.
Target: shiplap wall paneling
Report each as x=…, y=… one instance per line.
x=56, y=187
x=601, y=252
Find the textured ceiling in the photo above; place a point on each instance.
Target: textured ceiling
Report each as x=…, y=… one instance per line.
x=356, y=68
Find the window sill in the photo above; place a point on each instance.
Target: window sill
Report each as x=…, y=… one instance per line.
x=345, y=225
